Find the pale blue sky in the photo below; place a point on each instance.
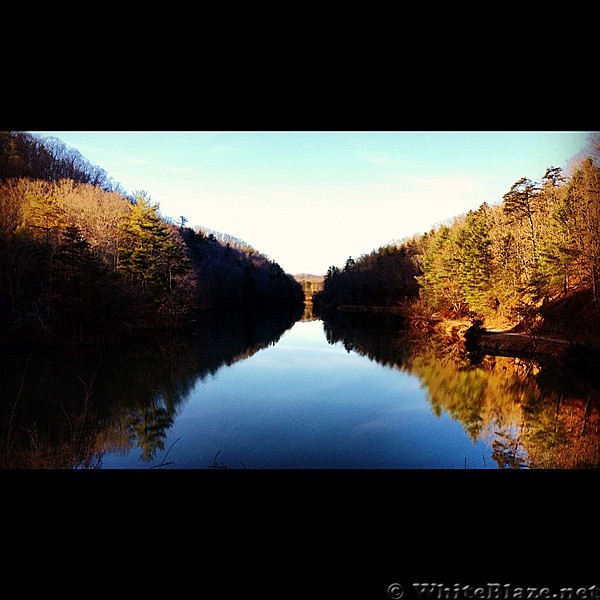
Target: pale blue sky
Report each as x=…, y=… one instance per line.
x=311, y=199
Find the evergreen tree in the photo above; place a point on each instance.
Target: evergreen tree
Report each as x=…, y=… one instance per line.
x=148, y=255
x=520, y=203
x=583, y=194
x=86, y=298
x=475, y=258
x=440, y=280
x=558, y=252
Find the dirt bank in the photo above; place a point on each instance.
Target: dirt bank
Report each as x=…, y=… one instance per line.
x=507, y=343
x=524, y=345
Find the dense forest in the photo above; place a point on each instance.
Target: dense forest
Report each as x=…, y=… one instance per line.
x=82, y=261
x=533, y=260
x=382, y=278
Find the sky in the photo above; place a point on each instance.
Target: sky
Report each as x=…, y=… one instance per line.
x=309, y=200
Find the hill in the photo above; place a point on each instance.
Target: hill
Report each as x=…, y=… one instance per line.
x=80, y=261
x=531, y=262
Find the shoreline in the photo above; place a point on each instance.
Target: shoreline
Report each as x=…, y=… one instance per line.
x=494, y=342
x=531, y=345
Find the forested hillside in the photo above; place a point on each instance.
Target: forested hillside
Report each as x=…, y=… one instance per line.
x=382, y=278
x=81, y=261
x=25, y=155
x=515, y=262
x=540, y=243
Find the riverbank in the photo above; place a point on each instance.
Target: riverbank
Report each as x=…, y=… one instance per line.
x=567, y=328
x=533, y=344
x=530, y=345
x=549, y=340
x=121, y=334
x=518, y=344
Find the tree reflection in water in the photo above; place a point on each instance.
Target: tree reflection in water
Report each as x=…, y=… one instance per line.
x=65, y=408
x=533, y=414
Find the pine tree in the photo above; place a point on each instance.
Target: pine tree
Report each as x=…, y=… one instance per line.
x=148, y=254
x=441, y=265
x=86, y=297
x=153, y=261
x=475, y=258
x=520, y=203
x=558, y=252
x=584, y=195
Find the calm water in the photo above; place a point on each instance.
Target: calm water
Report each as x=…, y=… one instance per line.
x=270, y=391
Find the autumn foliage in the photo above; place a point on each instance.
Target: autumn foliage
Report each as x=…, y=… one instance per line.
x=80, y=261
x=505, y=264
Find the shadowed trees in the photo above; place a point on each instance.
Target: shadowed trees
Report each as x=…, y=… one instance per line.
x=231, y=274
x=67, y=407
x=79, y=261
x=382, y=278
x=23, y=154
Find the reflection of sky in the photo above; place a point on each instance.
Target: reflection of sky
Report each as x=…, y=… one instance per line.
x=307, y=404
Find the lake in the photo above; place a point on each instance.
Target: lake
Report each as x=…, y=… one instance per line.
x=274, y=390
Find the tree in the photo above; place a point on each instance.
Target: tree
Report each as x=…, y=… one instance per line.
x=43, y=211
x=520, y=203
x=552, y=178
x=86, y=297
x=25, y=155
x=148, y=254
x=475, y=258
x=583, y=194
x=440, y=282
x=558, y=251
x=152, y=260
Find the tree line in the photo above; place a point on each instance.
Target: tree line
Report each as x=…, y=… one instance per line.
x=81, y=261
x=23, y=154
x=382, y=278
x=541, y=244
x=503, y=263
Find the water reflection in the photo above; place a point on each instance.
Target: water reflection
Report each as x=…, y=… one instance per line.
x=303, y=404
x=533, y=414
x=66, y=408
